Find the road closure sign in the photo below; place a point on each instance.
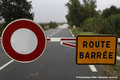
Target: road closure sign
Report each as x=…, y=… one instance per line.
x=96, y=49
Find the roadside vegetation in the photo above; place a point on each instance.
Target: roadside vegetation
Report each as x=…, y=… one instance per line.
x=86, y=18
x=112, y=70
x=50, y=25
x=14, y=9
x=83, y=15
x=80, y=32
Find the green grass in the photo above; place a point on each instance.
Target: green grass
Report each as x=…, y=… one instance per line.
x=117, y=65
x=118, y=52
x=78, y=32
x=75, y=32
x=87, y=33
x=118, y=49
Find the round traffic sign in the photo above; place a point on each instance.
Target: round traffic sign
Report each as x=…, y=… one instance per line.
x=23, y=40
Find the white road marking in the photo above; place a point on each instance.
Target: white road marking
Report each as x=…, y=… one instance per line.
x=55, y=39
x=63, y=39
x=118, y=39
x=93, y=69
x=118, y=58
x=5, y=65
x=55, y=32
x=71, y=32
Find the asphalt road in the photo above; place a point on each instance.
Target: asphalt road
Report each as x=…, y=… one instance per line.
x=57, y=63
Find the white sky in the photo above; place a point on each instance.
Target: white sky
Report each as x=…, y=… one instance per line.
x=55, y=10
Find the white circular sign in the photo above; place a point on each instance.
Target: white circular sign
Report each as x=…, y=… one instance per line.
x=24, y=41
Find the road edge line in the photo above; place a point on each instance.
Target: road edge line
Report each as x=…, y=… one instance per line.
x=54, y=33
x=93, y=68
x=5, y=65
x=71, y=33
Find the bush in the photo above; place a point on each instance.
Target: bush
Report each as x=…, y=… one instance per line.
x=110, y=25
x=52, y=24
x=93, y=25
x=43, y=25
x=114, y=24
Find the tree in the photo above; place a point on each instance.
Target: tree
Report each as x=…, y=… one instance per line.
x=113, y=10
x=52, y=24
x=114, y=24
x=15, y=9
x=74, y=14
x=78, y=13
x=89, y=8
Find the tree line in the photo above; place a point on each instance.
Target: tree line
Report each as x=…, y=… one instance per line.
x=15, y=9
x=83, y=14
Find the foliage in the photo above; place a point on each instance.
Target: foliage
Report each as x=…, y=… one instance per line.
x=110, y=25
x=117, y=65
x=52, y=24
x=74, y=13
x=113, y=10
x=114, y=24
x=94, y=24
x=43, y=25
x=76, y=31
x=78, y=13
x=15, y=9
x=86, y=17
x=89, y=8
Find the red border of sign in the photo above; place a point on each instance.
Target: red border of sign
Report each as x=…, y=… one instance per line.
x=27, y=24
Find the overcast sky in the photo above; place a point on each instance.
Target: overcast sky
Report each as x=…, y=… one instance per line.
x=55, y=10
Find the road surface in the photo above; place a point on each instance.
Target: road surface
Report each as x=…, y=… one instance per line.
x=57, y=63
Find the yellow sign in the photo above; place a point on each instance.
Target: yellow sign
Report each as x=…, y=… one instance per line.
x=96, y=49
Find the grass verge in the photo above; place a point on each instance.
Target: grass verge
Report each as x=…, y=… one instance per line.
x=78, y=32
